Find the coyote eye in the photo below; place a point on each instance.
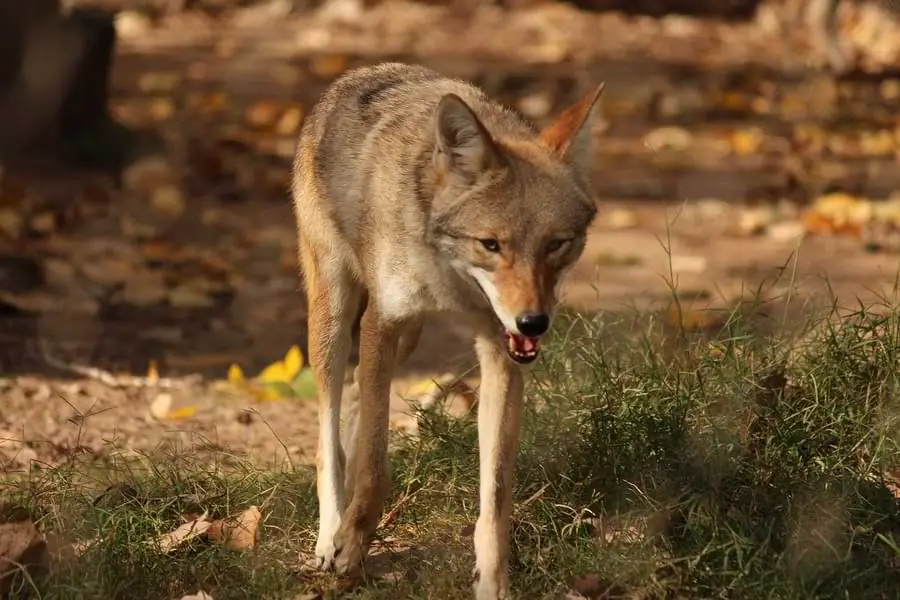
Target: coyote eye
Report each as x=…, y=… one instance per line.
x=490, y=245
x=555, y=246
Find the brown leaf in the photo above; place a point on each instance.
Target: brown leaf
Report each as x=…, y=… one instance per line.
x=11, y=222
x=289, y=121
x=169, y=201
x=236, y=533
x=146, y=174
x=594, y=587
x=262, y=114
x=328, y=66
x=21, y=547
x=192, y=529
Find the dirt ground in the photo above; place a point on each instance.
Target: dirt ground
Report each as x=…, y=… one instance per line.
x=717, y=142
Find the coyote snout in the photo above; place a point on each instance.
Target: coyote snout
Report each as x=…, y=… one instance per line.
x=415, y=194
x=523, y=301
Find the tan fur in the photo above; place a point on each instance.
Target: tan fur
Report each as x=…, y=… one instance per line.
x=415, y=194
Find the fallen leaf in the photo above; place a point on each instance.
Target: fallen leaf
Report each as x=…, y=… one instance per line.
x=185, y=412
x=621, y=219
x=786, y=231
x=162, y=109
x=169, y=201
x=262, y=114
x=22, y=547
x=747, y=141
x=596, y=588
x=131, y=24
x=536, y=106
x=146, y=174
x=236, y=375
x=11, y=222
x=290, y=121
x=186, y=531
x=226, y=47
x=108, y=270
x=159, y=81
x=755, y=220
x=688, y=264
x=42, y=223
x=188, y=296
x=152, y=372
x=305, y=384
x=691, y=319
x=293, y=361
x=838, y=214
x=328, y=66
x=283, y=370
x=238, y=533
x=160, y=406
x=674, y=138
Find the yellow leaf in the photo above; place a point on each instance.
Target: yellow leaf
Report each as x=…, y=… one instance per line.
x=747, y=141
x=277, y=371
x=293, y=362
x=266, y=394
x=235, y=375
x=283, y=370
x=184, y=412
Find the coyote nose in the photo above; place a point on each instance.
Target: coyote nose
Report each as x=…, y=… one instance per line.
x=533, y=324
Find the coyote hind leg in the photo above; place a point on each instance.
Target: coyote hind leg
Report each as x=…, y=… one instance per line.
x=333, y=298
x=409, y=339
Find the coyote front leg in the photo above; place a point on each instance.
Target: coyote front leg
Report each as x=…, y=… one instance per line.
x=377, y=353
x=332, y=299
x=499, y=420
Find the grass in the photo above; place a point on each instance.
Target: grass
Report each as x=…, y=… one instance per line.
x=655, y=463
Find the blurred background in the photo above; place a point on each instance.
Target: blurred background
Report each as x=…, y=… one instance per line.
x=748, y=149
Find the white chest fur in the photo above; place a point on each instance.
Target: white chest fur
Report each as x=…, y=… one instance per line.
x=412, y=281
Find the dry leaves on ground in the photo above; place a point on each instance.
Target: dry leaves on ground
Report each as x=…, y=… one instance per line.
x=238, y=532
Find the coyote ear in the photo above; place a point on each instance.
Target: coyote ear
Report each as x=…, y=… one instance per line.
x=569, y=135
x=464, y=146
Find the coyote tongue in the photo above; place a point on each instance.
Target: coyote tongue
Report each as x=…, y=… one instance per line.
x=522, y=349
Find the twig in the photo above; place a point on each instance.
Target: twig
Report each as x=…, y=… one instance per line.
x=109, y=378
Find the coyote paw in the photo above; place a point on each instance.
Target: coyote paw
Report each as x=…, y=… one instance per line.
x=325, y=553
x=349, y=551
x=329, y=525
x=488, y=588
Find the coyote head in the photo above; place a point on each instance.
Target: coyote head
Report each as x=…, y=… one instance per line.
x=512, y=208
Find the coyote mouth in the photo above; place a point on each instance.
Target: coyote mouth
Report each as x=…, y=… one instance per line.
x=521, y=348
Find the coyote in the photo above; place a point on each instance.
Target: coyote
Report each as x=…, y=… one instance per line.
x=415, y=194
